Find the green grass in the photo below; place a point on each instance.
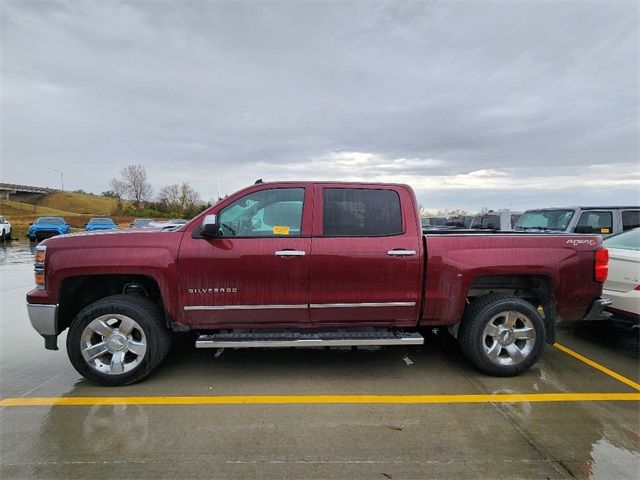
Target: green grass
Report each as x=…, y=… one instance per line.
x=9, y=208
x=80, y=203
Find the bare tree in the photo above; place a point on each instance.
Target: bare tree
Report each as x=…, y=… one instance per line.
x=188, y=197
x=119, y=189
x=169, y=197
x=137, y=187
x=181, y=199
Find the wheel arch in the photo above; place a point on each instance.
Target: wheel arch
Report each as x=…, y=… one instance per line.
x=536, y=289
x=77, y=292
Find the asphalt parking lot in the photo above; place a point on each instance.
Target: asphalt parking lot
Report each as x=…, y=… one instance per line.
x=388, y=413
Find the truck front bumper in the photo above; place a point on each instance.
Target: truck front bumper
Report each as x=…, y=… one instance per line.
x=597, y=310
x=44, y=319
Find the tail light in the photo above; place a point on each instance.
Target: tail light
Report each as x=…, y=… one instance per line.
x=602, y=265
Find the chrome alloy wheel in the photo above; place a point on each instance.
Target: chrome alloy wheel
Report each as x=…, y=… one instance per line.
x=508, y=338
x=113, y=344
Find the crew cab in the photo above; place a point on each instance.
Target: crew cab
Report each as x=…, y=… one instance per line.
x=310, y=264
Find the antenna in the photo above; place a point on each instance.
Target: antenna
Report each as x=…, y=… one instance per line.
x=258, y=181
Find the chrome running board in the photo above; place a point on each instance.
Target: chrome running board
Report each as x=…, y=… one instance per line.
x=316, y=339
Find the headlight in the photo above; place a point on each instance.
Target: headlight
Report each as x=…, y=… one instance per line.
x=38, y=266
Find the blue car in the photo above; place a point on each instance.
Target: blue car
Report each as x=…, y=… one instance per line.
x=45, y=227
x=100, y=223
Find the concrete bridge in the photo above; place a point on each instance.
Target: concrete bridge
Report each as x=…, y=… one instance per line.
x=23, y=193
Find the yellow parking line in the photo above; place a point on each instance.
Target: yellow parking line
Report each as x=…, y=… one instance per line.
x=322, y=399
x=597, y=366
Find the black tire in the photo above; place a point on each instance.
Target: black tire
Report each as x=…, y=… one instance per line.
x=2, y=236
x=494, y=349
x=8, y=237
x=150, y=329
x=32, y=239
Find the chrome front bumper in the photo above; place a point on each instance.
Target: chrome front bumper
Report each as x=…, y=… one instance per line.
x=43, y=318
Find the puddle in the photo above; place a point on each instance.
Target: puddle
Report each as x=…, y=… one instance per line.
x=611, y=461
x=17, y=253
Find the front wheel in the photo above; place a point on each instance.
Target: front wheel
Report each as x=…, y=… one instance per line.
x=502, y=335
x=118, y=340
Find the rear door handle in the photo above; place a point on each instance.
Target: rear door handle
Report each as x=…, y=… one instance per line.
x=401, y=252
x=290, y=253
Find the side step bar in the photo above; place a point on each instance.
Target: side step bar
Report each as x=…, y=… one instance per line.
x=296, y=339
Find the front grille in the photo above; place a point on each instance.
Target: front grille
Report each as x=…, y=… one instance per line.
x=46, y=233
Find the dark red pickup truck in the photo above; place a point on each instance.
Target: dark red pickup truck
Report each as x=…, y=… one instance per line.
x=309, y=264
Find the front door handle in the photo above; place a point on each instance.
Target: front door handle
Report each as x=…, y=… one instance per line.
x=290, y=253
x=401, y=252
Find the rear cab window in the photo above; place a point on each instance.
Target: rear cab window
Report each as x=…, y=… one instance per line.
x=361, y=212
x=626, y=241
x=489, y=222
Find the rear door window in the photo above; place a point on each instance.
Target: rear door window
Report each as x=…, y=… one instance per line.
x=356, y=212
x=595, y=222
x=630, y=219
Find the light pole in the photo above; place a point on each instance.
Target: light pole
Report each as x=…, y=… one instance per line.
x=61, y=177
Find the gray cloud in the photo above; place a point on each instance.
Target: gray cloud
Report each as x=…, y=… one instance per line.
x=498, y=104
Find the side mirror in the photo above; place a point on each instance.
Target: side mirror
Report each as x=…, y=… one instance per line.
x=86, y=224
x=210, y=227
x=30, y=223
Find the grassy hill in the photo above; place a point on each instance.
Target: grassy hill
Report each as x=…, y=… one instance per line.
x=80, y=203
x=9, y=208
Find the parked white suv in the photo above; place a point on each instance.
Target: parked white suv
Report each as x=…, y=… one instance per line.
x=6, y=229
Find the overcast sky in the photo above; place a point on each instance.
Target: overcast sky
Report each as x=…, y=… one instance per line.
x=502, y=104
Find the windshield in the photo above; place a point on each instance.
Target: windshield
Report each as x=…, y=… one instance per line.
x=101, y=221
x=627, y=241
x=50, y=221
x=142, y=221
x=546, y=219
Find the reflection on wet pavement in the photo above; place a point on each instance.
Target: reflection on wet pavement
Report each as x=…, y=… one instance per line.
x=16, y=253
x=587, y=440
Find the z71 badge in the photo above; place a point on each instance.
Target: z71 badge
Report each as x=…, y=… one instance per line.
x=212, y=290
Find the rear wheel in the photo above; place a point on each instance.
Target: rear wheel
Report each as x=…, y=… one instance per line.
x=118, y=340
x=502, y=335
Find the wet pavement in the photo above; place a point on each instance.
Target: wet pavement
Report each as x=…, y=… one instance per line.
x=522, y=438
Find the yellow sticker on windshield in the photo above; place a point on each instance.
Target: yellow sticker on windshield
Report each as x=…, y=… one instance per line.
x=604, y=230
x=280, y=230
